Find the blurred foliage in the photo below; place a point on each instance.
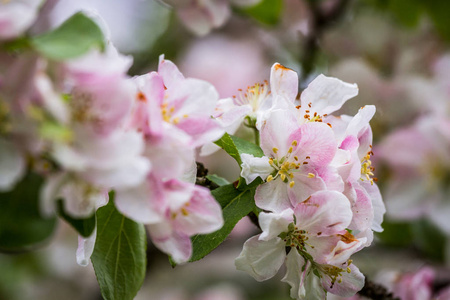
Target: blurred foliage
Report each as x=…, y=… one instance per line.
x=410, y=12
x=267, y=12
x=119, y=256
x=84, y=227
x=73, y=38
x=420, y=234
x=235, y=206
x=21, y=225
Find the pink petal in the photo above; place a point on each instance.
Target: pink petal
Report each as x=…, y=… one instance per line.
x=315, y=140
x=169, y=72
x=202, y=215
x=325, y=213
x=351, y=283
x=276, y=131
x=177, y=245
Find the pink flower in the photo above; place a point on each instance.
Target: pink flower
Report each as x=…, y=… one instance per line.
x=317, y=240
x=201, y=16
x=17, y=16
x=184, y=103
x=419, y=158
x=174, y=211
x=295, y=164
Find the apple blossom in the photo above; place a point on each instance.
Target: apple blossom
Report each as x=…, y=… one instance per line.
x=318, y=244
x=16, y=17
x=295, y=164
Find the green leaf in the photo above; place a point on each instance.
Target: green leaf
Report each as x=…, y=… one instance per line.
x=73, y=38
x=21, y=225
x=119, y=257
x=85, y=227
x=235, y=205
x=438, y=11
x=267, y=11
x=235, y=146
x=220, y=181
x=429, y=239
x=396, y=234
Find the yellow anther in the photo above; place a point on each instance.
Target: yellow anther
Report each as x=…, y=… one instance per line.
x=185, y=116
x=283, y=177
x=271, y=161
x=311, y=175
x=349, y=270
x=290, y=150
x=172, y=109
x=269, y=178
x=296, y=158
x=275, y=150
x=184, y=211
x=291, y=184
x=176, y=121
x=294, y=143
x=291, y=175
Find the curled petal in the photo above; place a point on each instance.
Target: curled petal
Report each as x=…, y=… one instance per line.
x=86, y=248
x=261, y=259
x=12, y=165
x=272, y=224
x=253, y=167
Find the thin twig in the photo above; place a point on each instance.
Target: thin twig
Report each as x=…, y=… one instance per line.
x=320, y=21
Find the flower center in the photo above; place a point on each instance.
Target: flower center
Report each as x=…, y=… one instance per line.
x=310, y=116
x=167, y=112
x=254, y=96
x=286, y=166
x=367, y=169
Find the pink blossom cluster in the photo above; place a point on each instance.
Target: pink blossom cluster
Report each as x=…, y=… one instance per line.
x=319, y=198
x=89, y=129
x=201, y=16
x=418, y=155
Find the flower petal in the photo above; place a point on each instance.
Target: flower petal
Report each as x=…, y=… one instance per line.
x=261, y=259
x=12, y=165
x=253, y=167
x=272, y=196
x=272, y=224
x=327, y=94
x=284, y=82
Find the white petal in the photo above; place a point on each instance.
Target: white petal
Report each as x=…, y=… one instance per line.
x=12, y=165
x=327, y=94
x=136, y=204
x=85, y=248
x=50, y=192
x=284, y=82
x=273, y=196
x=261, y=259
x=252, y=167
x=272, y=224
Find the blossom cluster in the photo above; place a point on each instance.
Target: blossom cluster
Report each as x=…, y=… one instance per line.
x=88, y=129
x=319, y=200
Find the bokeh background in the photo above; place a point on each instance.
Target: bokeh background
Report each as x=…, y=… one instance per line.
x=396, y=51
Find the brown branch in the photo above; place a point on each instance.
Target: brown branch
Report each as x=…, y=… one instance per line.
x=320, y=20
x=376, y=291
